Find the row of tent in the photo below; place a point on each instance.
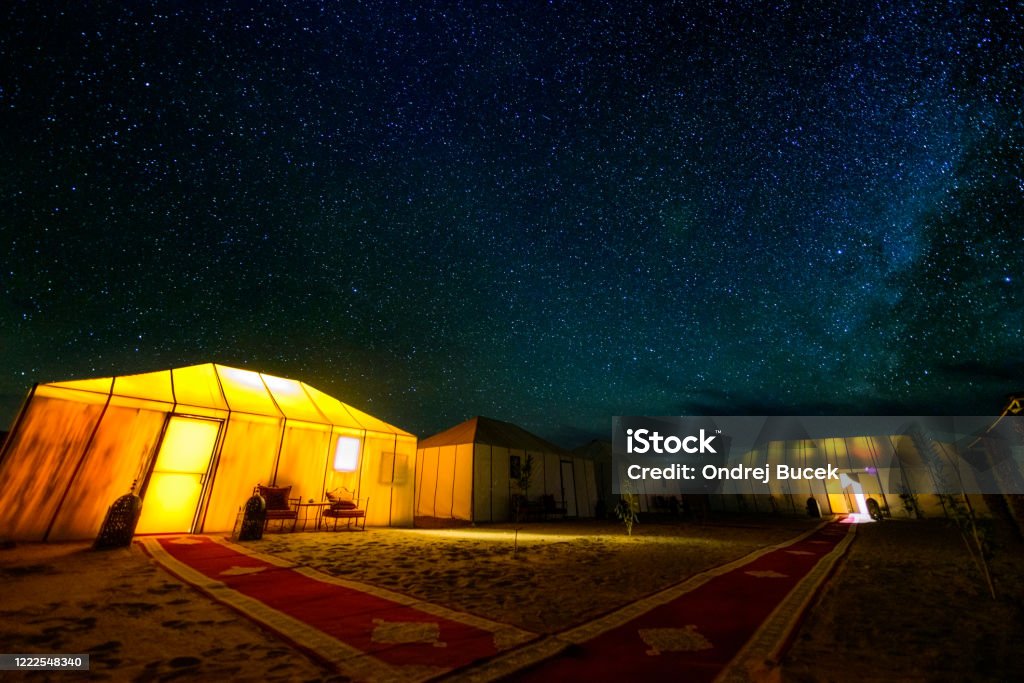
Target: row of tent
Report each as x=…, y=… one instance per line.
x=194, y=442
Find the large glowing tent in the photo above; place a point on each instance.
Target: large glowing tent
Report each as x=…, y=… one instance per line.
x=463, y=473
x=194, y=441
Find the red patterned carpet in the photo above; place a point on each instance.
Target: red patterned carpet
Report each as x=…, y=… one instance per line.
x=368, y=633
x=721, y=624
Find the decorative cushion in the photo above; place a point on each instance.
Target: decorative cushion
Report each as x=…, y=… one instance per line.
x=344, y=513
x=341, y=499
x=276, y=497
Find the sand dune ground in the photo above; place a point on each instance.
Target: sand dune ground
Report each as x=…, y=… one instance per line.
x=905, y=598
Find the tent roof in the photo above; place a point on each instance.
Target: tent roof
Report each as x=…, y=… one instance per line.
x=233, y=389
x=485, y=430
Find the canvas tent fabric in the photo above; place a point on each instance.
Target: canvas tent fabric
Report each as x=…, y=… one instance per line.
x=881, y=466
x=194, y=441
x=463, y=473
x=600, y=454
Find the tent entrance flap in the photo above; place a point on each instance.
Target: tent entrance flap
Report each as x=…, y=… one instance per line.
x=176, y=483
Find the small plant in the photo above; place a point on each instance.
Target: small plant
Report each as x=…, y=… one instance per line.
x=525, y=475
x=521, y=473
x=627, y=507
x=976, y=533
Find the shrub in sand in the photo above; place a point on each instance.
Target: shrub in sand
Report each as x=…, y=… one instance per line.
x=627, y=507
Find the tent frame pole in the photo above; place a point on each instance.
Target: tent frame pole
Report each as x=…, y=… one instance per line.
x=391, y=492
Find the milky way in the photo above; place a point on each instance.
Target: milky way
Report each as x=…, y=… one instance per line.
x=548, y=213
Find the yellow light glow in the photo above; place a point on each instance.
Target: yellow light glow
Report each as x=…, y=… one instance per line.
x=187, y=445
x=170, y=503
x=279, y=385
x=346, y=454
x=246, y=378
x=171, y=497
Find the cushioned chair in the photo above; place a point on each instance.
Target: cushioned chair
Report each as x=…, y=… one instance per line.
x=279, y=504
x=344, y=505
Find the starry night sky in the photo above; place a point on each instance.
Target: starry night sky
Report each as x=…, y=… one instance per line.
x=547, y=213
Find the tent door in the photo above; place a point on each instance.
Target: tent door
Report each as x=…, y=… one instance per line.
x=569, y=489
x=176, y=483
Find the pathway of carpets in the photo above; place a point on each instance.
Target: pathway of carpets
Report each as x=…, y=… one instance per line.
x=723, y=623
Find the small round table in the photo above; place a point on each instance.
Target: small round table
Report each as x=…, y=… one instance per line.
x=304, y=509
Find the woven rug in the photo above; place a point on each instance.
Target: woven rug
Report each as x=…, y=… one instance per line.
x=729, y=623
x=364, y=632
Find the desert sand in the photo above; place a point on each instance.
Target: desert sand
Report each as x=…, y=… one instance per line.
x=905, y=604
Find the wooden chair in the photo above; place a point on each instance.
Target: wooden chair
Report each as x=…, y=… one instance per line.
x=344, y=505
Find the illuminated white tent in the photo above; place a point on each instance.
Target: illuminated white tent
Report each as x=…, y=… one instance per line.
x=196, y=440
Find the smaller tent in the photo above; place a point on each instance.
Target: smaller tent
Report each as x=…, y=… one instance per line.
x=466, y=473
x=194, y=441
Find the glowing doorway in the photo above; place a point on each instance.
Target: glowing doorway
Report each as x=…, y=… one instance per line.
x=176, y=484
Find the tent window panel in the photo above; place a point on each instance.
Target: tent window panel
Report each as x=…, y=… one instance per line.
x=515, y=467
x=346, y=454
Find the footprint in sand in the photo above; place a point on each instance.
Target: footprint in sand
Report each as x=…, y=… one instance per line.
x=134, y=609
x=28, y=570
x=176, y=624
x=109, y=646
x=182, y=662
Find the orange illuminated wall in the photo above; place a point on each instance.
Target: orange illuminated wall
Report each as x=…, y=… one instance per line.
x=194, y=441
